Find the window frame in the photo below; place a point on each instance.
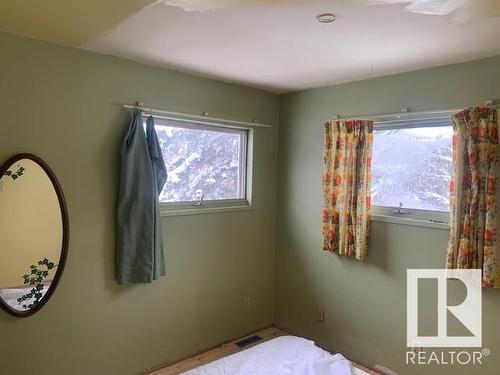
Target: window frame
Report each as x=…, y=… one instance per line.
x=412, y=216
x=245, y=177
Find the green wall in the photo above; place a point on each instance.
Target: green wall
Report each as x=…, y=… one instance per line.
x=61, y=104
x=365, y=302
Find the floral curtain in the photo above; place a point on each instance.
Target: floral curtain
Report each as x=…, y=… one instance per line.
x=473, y=234
x=346, y=187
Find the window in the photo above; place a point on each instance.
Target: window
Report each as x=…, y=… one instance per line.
x=207, y=165
x=411, y=165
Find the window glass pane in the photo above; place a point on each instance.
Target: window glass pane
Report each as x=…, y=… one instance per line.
x=412, y=166
x=202, y=161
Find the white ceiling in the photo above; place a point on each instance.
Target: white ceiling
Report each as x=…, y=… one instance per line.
x=283, y=48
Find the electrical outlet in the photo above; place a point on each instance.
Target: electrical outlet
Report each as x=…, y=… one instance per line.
x=246, y=303
x=320, y=313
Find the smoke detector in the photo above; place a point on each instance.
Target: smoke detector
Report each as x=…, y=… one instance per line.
x=326, y=17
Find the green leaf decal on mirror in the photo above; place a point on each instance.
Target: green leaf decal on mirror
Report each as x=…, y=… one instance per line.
x=15, y=175
x=36, y=279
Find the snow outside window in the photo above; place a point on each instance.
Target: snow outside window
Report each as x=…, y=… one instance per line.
x=411, y=165
x=203, y=162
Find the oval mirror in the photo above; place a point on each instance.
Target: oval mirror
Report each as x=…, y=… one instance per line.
x=33, y=234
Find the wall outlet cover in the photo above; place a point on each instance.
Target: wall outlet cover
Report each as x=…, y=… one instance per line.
x=320, y=313
x=246, y=303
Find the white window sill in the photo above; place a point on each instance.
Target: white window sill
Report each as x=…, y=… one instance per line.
x=167, y=211
x=410, y=221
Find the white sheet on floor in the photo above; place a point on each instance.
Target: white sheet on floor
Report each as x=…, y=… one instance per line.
x=285, y=355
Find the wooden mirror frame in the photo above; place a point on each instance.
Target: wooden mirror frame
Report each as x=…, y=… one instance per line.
x=65, y=232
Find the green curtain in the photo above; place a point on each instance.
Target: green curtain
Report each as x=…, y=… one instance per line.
x=139, y=253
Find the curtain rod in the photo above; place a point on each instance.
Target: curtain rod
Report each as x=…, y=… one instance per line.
x=407, y=114
x=205, y=119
